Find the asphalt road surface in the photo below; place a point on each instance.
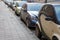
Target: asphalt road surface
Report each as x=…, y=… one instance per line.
x=11, y=27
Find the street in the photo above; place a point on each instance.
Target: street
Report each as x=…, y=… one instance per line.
x=11, y=27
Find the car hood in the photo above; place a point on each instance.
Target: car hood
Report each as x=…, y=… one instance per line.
x=19, y=7
x=33, y=13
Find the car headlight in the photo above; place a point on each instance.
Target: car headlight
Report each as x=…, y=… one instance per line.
x=34, y=18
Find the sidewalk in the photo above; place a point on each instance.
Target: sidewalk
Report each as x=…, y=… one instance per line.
x=11, y=28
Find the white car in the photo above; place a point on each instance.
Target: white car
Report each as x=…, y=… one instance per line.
x=19, y=6
x=13, y=6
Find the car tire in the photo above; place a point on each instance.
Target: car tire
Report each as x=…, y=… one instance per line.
x=16, y=13
x=54, y=38
x=19, y=13
x=13, y=9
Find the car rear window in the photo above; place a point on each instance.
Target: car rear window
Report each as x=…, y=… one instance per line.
x=33, y=7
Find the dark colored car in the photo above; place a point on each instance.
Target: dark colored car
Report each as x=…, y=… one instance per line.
x=29, y=13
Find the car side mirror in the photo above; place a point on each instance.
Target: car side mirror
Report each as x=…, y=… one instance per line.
x=48, y=18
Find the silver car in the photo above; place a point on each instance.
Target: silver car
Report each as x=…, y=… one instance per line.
x=29, y=13
x=19, y=6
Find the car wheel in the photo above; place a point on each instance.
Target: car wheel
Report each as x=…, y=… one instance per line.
x=37, y=32
x=19, y=13
x=16, y=13
x=54, y=38
x=13, y=9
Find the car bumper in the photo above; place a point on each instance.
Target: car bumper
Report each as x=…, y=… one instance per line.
x=33, y=23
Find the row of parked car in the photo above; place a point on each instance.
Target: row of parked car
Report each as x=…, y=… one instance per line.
x=45, y=17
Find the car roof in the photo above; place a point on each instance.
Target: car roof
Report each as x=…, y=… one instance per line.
x=35, y=3
x=57, y=2
x=20, y=1
x=43, y=3
x=53, y=3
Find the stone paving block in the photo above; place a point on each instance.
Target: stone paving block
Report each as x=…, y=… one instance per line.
x=11, y=28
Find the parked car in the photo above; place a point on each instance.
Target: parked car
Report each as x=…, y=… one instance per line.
x=8, y=2
x=14, y=4
x=49, y=19
x=19, y=6
x=29, y=13
x=5, y=1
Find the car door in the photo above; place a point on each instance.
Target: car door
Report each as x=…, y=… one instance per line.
x=47, y=25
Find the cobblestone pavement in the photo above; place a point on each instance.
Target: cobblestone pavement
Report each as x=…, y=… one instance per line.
x=11, y=28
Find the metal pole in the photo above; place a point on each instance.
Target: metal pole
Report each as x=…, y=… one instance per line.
x=45, y=1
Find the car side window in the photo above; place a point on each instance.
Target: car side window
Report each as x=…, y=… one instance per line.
x=24, y=6
x=17, y=4
x=49, y=10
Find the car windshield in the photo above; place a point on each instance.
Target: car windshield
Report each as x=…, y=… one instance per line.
x=33, y=7
x=21, y=3
x=14, y=3
x=57, y=9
